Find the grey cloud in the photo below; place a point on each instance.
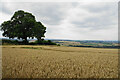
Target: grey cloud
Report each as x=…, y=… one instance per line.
x=55, y=12
x=94, y=24
x=101, y=7
x=51, y=13
x=4, y=8
x=108, y=16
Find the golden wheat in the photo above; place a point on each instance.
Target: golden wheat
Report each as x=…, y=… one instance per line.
x=26, y=61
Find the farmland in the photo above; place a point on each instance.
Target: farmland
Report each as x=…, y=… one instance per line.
x=88, y=43
x=27, y=61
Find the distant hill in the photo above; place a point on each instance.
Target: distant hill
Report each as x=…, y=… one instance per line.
x=80, y=43
x=88, y=43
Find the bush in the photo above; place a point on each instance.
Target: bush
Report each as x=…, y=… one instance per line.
x=44, y=42
x=58, y=44
x=6, y=41
x=16, y=42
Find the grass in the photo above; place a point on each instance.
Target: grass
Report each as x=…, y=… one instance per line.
x=27, y=61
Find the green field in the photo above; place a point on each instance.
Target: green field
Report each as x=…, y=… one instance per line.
x=27, y=61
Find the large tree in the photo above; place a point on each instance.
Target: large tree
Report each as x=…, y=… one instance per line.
x=23, y=25
x=39, y=28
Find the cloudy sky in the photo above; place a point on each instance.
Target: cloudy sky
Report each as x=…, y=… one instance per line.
x=83, y=20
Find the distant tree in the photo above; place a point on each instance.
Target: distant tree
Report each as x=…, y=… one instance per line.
x=23, y=25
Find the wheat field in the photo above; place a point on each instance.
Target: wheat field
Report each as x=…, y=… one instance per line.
x=26, y=61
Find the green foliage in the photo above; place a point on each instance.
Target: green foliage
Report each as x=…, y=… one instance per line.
x=23, y=25
x=58, y=44
x=16, y=42
x=39, y=28
x=44, y=42
x=6, y=41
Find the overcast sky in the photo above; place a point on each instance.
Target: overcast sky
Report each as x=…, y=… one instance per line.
x=70, y=20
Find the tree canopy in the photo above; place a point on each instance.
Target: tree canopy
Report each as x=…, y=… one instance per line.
x=23, y=25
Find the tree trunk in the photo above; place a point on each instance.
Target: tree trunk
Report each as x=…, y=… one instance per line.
x=25, y=40
x=39, y=41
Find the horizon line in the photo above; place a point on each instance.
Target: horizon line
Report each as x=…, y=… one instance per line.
x=68, y=39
